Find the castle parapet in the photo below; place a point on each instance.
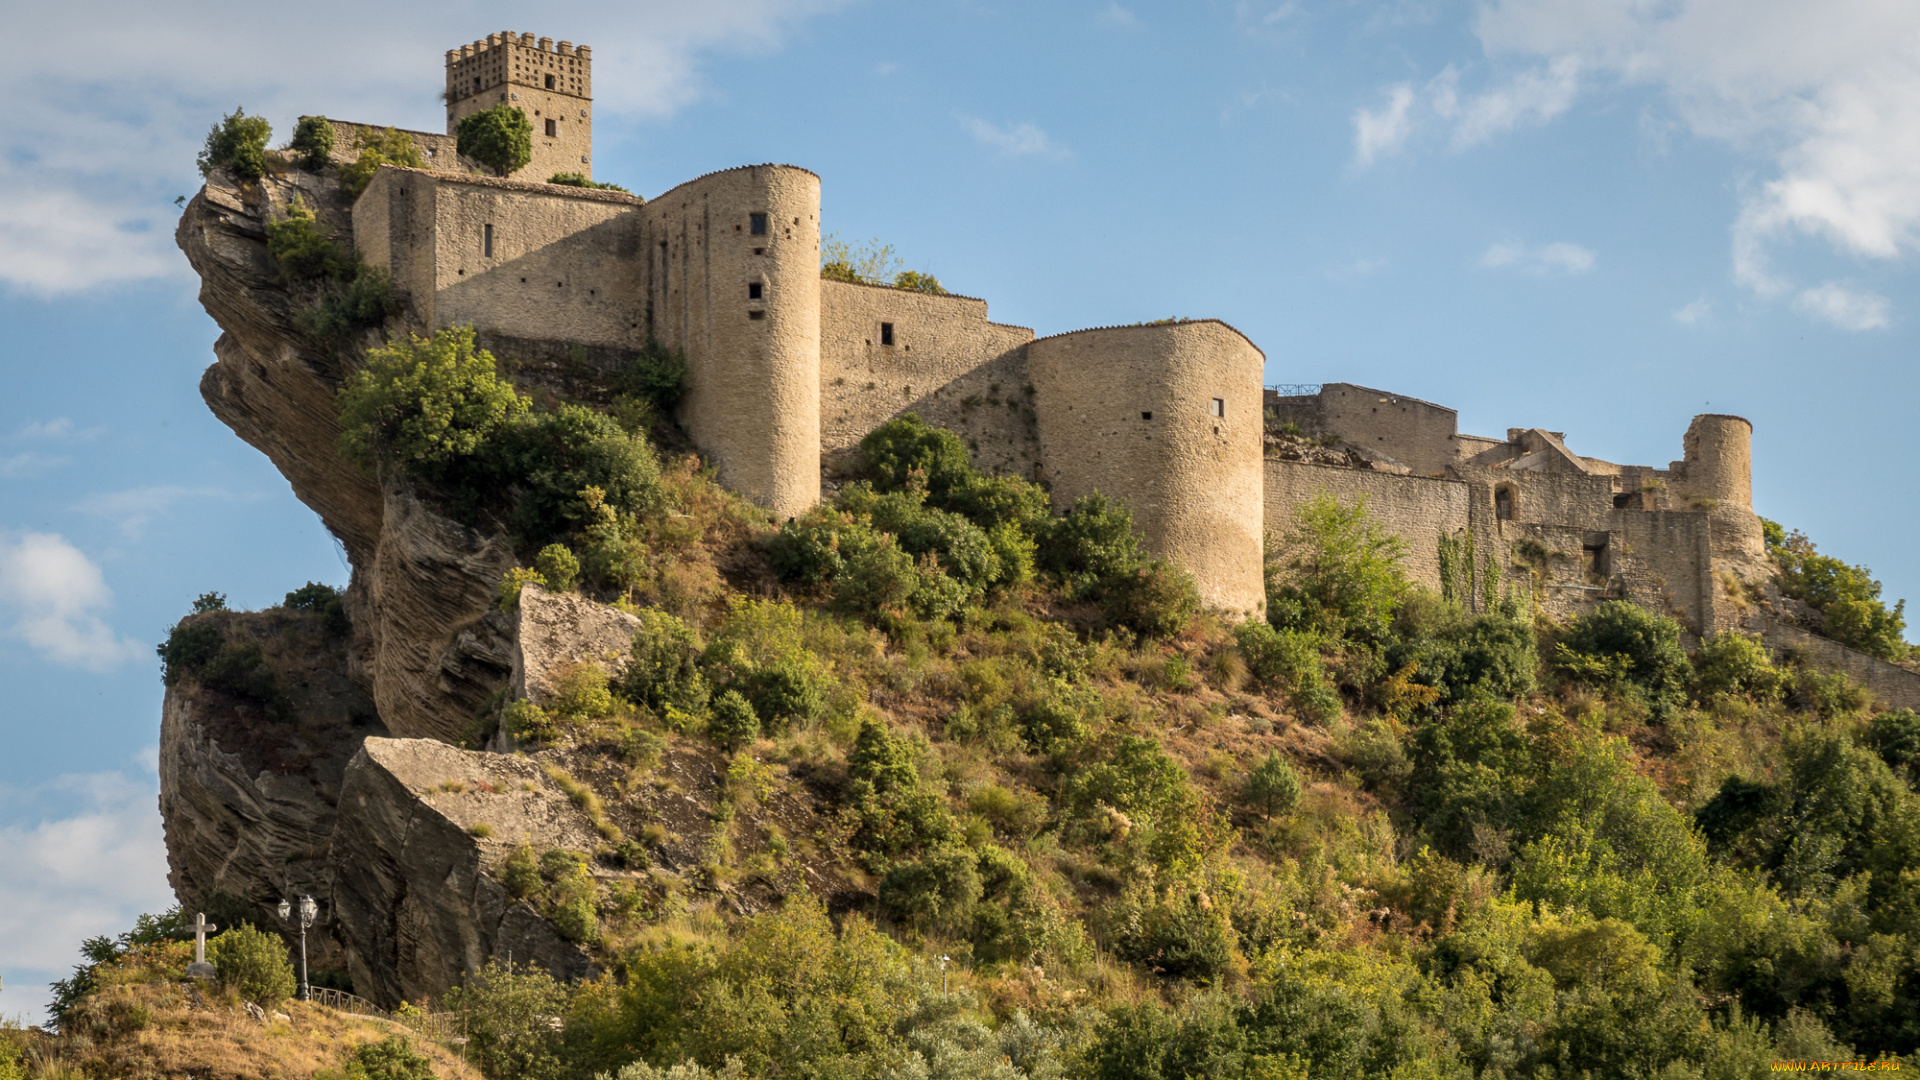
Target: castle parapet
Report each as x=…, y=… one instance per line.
x=1168, y=418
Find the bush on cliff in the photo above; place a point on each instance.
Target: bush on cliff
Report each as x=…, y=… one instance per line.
x=427, y=407
x=237, y=144
x=389, y=146
x=500, y=138
x=1847, y=596
x=313, y=141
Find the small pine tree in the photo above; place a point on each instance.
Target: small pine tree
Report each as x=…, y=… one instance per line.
x=500, y=138
x=733, y=721
x=558, y=567
x=237, y=144
x=1273, y=786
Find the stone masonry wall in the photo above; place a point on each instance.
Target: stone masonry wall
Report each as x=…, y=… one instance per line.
x=1417, y=509
x=753, y=364
x=564, y=263
x=1416, y=432
x=947, y=363
x=1893, y=686
x=441, y=152
x=1127, y=411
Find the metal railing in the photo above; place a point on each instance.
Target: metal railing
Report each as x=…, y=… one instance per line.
x=438, y=1026
x=1295, y=389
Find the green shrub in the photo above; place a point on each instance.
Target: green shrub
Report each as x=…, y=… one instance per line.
x=897, y=449
x=567, y=468
x=1057, y=722
x=526, y=722
x=427, y=406
x=1288, y=660
x=313, y=141
x=304, y=251
x=391, y=1059
x=656, y=375
x=731, y=722
x=1090, y=545
x=1462, y=655
x=508, y=1011
x=188, y=648
x=1895, y=736
x=1155, y=601
x=918, y=282
x=580, y=694
x=1828, y=694
x=896, y=815
x=784, y=692
x=1273, y=787
x=1737, y=664
x=389, y=147
x=237, y=144
x=581, y=180
x=1336, y=573
x=337, y=310
x=936, y=891
x=665, y=665
x=521, y=873
x=324, y=601
x=1180, y=933
x=253, y=962
x=500, y=138
x=209, y=601
x=1630, y=649
x=558, y=568
x=1847, y=596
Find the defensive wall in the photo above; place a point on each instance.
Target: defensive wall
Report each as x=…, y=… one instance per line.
x=1893, y=686
x=884, y=351
x=1418, y=509
x=1168, y=418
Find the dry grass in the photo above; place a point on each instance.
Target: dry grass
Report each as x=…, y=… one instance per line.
x=212, y=1038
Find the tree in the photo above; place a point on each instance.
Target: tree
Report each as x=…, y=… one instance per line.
x=1273, y=786
x=732, y=721
x=1337, y=572
x=390, y=147
x=313, y=141
x=423, y=404
x=237, y=144
x=500, y=138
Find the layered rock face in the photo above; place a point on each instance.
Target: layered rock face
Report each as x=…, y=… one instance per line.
x=424, y=650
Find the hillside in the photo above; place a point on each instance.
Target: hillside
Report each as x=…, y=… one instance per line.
x=933, y=781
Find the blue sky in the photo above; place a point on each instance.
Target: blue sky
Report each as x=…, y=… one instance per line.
x=1595, y=216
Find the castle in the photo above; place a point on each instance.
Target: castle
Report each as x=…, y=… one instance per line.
x=788, y=370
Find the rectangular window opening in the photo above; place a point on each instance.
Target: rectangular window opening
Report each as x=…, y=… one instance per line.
x=1146, y=415
x=755, y=290
x=1220, y=407
x=486, y=242
x=756, y=314
x=886, y=333
x=757, y=224
x=549, y=82
x=553, y=128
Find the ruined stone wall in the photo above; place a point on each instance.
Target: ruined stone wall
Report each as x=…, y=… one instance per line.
x=1416, y=432
x=1128, y=411
x=1893, y=686
x=439, y=152
x=1301, y=410
x=1417, y=509
x=1717, y=477
x=541, y=261
x=753, y=362
x=946, y=363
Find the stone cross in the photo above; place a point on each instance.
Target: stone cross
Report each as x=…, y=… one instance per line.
x=201, y=928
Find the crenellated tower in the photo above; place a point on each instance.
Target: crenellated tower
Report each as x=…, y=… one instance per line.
x=551, y=83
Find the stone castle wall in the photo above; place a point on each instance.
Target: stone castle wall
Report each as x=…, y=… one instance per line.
x=1128, y=411
x=563, y=262
x=753, y=363
x=1893, y=686
x=1418, y=433
x=1417, y=509
x=439, y=152
x=515, y=69
x=947, y=363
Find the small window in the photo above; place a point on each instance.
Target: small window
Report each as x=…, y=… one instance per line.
x=476, y=84
x=549, y=82
x=886, y=333
x=754, y=290
x=1146, y=415
x=486, y=241
x=757, y=224
x=553, y=127
x=759, y=251
x=756, y=314
x=1503, y=503
x=1220, y=407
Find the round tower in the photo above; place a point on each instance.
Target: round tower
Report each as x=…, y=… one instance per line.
x=1167, y=418
x=1719, y=457
x=733, y=280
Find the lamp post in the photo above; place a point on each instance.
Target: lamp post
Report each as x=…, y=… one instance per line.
x=308, y=910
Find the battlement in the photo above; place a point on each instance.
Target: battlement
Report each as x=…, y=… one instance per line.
x=552, y=83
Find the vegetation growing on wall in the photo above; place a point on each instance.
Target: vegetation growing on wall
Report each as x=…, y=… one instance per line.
x=580, y=180
x=390, y=146
x=871, y=263
x=500, y=138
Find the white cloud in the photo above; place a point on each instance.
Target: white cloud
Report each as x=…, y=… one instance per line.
x=1115, y=15
x=1695, y=313
x=1359, y=267
x=70, y=878
x=1555, y=258
x=1828, y=93
x=15, y=466
x=50, y=591
x=1382, y=131
x=1019, y=139
x=1531, y=97
x=113, y=98
x=1843, y=307
x=134, y=509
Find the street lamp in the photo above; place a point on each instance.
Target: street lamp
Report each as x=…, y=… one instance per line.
x=308, y=910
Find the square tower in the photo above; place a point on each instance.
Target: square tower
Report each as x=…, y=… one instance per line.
x=552, y=85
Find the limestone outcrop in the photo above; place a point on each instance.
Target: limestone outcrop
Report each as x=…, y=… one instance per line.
x=555, y=631
x=425, y=649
